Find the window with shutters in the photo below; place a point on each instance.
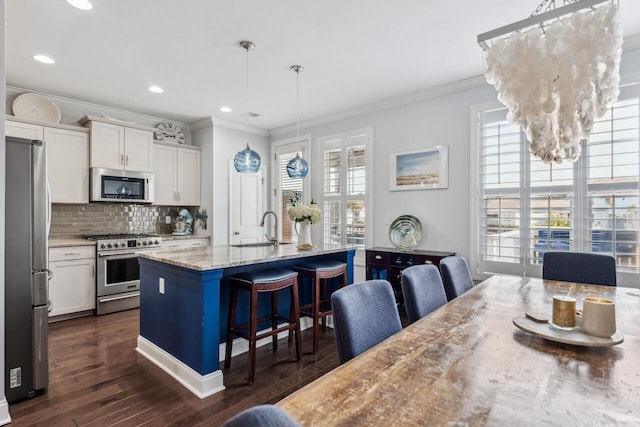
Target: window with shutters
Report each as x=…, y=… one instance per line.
x=289, y=189
x=345, y=188
x=528, y=207
x=285, y=188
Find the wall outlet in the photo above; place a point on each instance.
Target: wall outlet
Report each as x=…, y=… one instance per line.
x=167, y=219
x=161, y=285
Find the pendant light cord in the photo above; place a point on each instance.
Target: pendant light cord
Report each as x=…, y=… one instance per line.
x=297, y=112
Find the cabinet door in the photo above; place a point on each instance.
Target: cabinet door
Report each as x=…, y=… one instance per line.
x=188, y=177
x=138, y=146
x=67, y=165
x=72, y=287
x=165, y=175
x=23, y=130
x=107, y=145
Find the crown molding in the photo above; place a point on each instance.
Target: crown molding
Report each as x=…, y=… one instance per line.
x=90, y=106
x=434, y=92
x=201, y=124
x=630, y=43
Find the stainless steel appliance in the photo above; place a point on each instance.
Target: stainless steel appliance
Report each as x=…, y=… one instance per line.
x=26, y=275
x=116, y=185
x=118, y=273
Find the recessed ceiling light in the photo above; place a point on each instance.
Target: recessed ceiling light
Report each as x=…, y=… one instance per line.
x=44, y=59
x=225, y=109
x=81, y=4
x=156, y=89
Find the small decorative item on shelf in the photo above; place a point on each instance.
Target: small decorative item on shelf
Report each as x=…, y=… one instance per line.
x=168, y=132
x=305, y=215
x=405, y=232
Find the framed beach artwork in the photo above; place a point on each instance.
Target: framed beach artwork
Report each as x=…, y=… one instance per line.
x=423, y=169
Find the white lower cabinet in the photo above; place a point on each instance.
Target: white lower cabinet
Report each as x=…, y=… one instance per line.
x=72, y=288
x=198, y=242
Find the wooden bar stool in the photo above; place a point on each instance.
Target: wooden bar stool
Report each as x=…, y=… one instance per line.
x=320, y=272
x=270, y=280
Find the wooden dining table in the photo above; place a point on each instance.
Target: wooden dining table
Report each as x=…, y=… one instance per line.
x=467, y=364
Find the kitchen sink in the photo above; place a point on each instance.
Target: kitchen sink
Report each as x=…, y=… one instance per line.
x=258, y=244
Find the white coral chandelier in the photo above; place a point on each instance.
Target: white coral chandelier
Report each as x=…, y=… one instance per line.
x=557, y=78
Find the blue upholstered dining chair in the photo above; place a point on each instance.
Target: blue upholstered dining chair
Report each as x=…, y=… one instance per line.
x=456, y=276
x=595, y=269
x=364, y=314
x=262, y=416
x=423, y=290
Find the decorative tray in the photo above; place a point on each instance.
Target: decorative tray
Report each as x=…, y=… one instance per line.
x=573, y=337
x=33, y=106
x=405, y=232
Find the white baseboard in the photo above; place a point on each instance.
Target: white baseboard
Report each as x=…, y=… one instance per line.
x=5, y=418
x=200, y=385
x=203, y=385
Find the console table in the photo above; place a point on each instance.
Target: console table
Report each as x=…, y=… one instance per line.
x=388, y=263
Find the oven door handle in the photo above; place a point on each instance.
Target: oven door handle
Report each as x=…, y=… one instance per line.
x=116, y=255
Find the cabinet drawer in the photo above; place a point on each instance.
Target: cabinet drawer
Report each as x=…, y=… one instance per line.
x=377, y=258
x=185, y=243
x=71, y=252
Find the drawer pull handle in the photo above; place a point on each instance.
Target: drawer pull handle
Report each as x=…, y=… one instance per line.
x=378, y=257
x=72, y=253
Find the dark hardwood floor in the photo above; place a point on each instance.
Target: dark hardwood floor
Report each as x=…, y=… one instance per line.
x=98, y=379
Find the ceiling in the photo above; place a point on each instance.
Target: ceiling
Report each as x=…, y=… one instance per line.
x=356, y=53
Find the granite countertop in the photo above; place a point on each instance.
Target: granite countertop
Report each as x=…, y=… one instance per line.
x=77, y=241
x=216, y=257
x=170, y=236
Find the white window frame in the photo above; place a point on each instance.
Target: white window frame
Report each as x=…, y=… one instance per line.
x=319, y=185
x=289, y=145
x=476, y=203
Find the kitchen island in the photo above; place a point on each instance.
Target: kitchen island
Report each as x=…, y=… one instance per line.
x=184, y=299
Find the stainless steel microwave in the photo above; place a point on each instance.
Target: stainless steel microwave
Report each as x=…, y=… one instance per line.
x=115, y=185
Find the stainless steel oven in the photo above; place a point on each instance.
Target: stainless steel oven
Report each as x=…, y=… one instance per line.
x=118, y=273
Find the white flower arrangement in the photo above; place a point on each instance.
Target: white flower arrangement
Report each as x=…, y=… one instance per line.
x=299, y=212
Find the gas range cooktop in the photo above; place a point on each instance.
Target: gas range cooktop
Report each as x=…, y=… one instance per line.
x=120, y=241
x=118, y=236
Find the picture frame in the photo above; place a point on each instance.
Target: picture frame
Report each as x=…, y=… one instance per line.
x=424, y=169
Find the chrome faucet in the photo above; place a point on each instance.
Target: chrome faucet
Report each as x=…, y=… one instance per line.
x=273, y=240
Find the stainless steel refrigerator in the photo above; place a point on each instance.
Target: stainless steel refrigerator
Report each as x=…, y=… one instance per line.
x=26, y=273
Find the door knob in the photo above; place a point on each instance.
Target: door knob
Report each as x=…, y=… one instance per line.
x=236, y=233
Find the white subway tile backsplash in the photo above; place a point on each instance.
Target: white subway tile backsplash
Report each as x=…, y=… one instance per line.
x=68, y=221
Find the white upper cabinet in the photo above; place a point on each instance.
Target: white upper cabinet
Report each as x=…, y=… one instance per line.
x=119, y=147
x=67, y=165
x=67, y=158
x=165, y=162
x=188, y=177
x=177, y=175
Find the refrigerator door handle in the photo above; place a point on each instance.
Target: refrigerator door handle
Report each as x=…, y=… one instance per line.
x=49, y=302
x=48, y=208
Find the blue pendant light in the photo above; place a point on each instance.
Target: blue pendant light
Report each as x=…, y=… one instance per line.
x=247, y=160
x=297, y=167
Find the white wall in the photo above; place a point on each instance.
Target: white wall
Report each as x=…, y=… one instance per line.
x=441, y=120
x=220, y=142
